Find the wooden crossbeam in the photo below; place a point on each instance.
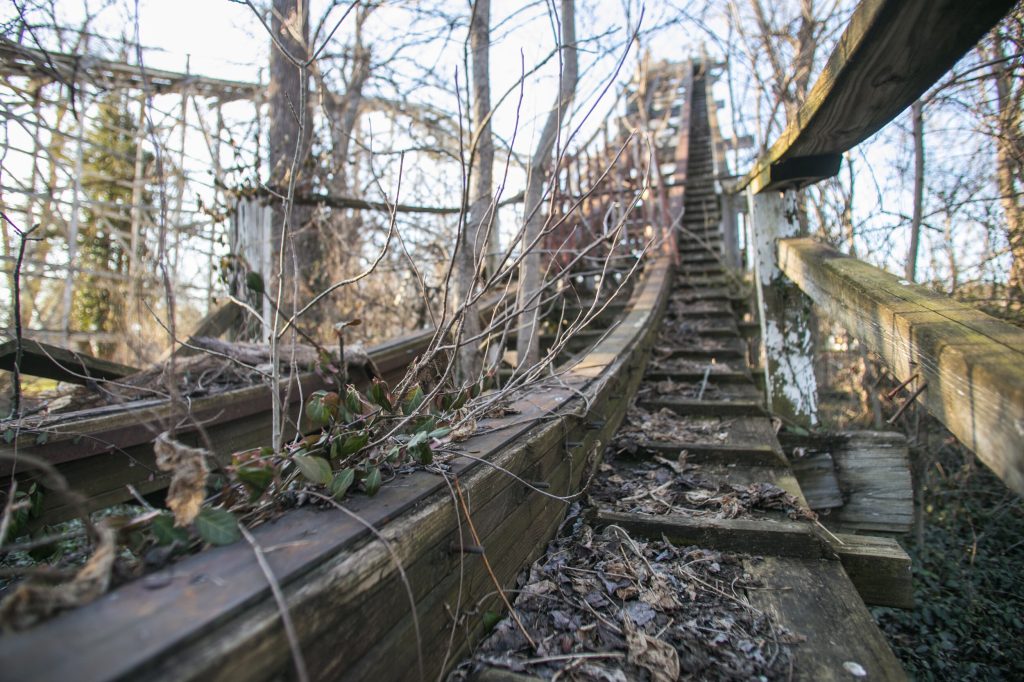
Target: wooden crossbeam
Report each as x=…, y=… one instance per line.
x=878, y=567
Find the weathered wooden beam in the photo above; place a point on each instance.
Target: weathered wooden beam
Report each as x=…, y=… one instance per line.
x=878, y=567
x=814, y=600
x=53, y=362
x=816, y=473
x=719, y=453
x=973, y=364
x=706, y=408
x=751, y=536
x=891, y=52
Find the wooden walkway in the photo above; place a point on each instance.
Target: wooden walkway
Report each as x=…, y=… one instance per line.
x=810, y=595
x=809, y=582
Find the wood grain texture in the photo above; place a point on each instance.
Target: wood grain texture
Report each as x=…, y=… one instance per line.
x=814, y=598
x=973, y=363
x=891, y=52
x=770, y=537
x=878, y=567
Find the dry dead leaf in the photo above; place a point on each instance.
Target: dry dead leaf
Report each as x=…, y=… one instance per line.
x=31, y=603
x=463, y=431
x=188, y=476
x=658, y=657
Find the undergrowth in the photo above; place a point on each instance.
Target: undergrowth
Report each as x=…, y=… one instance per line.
x=968, y=578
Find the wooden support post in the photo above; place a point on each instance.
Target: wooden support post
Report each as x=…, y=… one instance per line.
x=787, y=347
x=730, y=239
x=73, y=227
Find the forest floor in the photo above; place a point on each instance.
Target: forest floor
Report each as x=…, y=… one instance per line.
x=968, y=578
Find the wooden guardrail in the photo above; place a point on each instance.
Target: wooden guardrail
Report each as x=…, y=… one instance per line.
x=213, y=616
x=973, y=364
x=891, y=52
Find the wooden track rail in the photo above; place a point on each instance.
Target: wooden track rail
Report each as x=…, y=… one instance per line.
x=355, y=594
x=212, y=616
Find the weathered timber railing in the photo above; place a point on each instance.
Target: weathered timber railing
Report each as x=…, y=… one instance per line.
x=891, y=52
x=973, y=364
x=104, y=450
x=212, y=616
x=389, y=587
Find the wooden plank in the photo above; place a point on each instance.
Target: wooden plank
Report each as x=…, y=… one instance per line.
x=716, y=377
x=722, y=453
x=816, y=473
x=707, y=408
x=973, y=364
x=750, y=536
x=878, y=567
x=815, y=599
x=891, y=52
x=216, y=323
x=873, y=468
x=52, y=362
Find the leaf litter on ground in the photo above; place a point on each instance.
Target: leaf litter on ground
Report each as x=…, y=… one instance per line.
x=602, y=605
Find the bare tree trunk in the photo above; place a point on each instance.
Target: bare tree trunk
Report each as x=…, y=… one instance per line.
x=917, y=113
x=528, y=342
x=290, y=136
x=474, y=238
x=1010, y=156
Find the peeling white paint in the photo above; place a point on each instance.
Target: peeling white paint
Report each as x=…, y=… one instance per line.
x=790, y=354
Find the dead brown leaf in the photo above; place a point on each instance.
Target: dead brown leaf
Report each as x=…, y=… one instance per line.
x=188, y=476
x=658, y=657
x=31, y=603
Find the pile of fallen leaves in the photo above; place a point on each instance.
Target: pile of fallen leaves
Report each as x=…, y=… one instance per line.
x=662, y=486
x=664, y=425
x=667, y=388
x=607, y=606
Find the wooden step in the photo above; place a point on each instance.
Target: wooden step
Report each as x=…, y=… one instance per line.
x=707, y=408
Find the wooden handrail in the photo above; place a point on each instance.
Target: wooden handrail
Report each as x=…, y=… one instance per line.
x=891, y=52
x=973, y=364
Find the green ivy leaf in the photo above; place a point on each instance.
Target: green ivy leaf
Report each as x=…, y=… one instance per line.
x=42, y=437
x=35, y=495
x=342, y=481
x=491, y=618
x=460, y=399
x=379, y=395
x=321, y=407
x=351, y=444
x=9, y=436
x=425, y=454
x=418, y=439
x=217, y=526
x=353, y=401
x=256, y=478
x=315, y=469
x=372, y=481
x=413, y=399
x=440, y=433
x=254, y=281
x=393, y=454
x=166, y=533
